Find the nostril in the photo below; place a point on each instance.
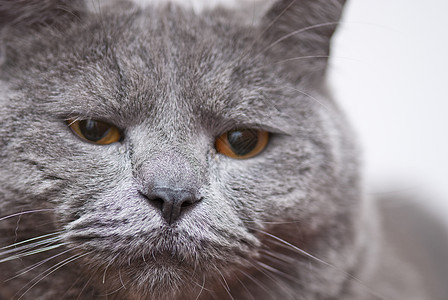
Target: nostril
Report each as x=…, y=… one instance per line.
x=171, y=203
x=189, y=202
x=186, y=204
x=157, y=202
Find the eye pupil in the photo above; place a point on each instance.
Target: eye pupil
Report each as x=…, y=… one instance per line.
x=93, y=130
x=242, y=142
x=96, y=132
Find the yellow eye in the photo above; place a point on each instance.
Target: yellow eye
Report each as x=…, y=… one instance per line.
x=97, y=132
x=242, y=143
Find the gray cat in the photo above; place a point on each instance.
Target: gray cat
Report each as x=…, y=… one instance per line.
x=158, y=153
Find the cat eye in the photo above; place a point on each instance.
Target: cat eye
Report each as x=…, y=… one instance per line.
x=242, y=143
x=97, y=132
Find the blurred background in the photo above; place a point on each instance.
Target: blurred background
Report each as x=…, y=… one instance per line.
x=389, y=71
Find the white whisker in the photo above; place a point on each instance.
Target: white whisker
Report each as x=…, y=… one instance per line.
x=26, y=212
x=245, y=287
x=225, y=285
x=30, y=240
x=290, y=60
x=105, y=270
x=297, y=249
x=113, y=292
x=286, y=36
x=202, y=287
x=306, y=254
x=277, y=257
x=279, y=283
x=83, y=288
x=257, y=282
x=259, y=36
x=40, y=250
x=272, y=222
x=36, y=265
x=121, y=279
x=274, y=270
x=310, y=96
x=50, y=271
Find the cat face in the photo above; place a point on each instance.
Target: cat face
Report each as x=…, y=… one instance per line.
x=159, y=210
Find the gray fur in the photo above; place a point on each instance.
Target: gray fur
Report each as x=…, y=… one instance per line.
x=173, y=81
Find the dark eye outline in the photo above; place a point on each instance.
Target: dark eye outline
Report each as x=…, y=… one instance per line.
x=111, y=135
x=222, y=144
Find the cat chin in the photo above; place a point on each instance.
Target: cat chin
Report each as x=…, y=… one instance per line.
x=144, y=283
x=161, y=276
x=168, y=264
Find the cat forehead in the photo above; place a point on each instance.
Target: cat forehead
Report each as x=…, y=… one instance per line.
x=158, y=65
x=154, y=60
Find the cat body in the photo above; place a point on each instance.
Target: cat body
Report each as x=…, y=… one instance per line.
x=289, y=223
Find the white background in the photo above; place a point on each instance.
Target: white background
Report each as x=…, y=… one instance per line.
x=389, y=71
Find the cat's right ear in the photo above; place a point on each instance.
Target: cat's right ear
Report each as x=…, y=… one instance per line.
x=22, y=18
x=298, y=33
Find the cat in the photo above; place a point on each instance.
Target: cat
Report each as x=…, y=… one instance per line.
x=157, y=152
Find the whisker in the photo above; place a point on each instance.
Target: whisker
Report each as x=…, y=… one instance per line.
x=40, y=250
x=17, y=228
x=299, y=58
x=280, y=284
x=277, y=18
x=306, y=254
x=83, y=288
x=50, y=271
x=225, y=285
x=310, y=96
x=290, y=60
x=286, y=36
x=73, y=121
x=30, y=240
x=68, y=290
x=202, y=287
x=112, y=292
x=259, y=36
x=257, y=282
x=277, y=257
x=105, y=270
x=121, y=279
x=32, y=267
x=245, y=287
x=315, y=56
x=271, y=222
x=274, y=270
x=67, y=10
x=26, y=212
x=297, y=249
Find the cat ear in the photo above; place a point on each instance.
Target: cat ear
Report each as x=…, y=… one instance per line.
x=22, y=18
x=297, y=35
x=36, y=13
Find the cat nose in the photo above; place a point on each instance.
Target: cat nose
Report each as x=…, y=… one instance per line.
x=173, y=203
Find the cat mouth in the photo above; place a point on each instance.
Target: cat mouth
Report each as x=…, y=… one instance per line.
x=162, y=259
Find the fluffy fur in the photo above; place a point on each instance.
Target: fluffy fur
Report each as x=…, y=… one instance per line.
x=290, y=223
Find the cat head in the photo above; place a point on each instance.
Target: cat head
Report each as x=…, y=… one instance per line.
x=173, y=148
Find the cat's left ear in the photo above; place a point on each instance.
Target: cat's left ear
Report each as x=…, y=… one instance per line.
x=33, y=14
x=297, y=34
x=22, y=19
